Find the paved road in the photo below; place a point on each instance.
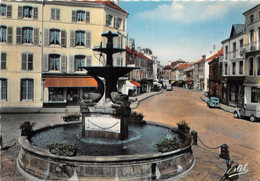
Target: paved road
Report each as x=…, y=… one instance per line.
x=214, y=126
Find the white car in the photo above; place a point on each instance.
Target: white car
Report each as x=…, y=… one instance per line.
x=169, y=88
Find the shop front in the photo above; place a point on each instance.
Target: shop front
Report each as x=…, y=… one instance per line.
x=66, y=91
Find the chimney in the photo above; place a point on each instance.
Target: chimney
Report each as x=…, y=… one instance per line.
x=203, y=57
x=139, y=49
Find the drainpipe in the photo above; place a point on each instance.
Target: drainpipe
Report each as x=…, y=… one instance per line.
x=42, y=53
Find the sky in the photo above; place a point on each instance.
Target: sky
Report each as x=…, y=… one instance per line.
x=184, y=30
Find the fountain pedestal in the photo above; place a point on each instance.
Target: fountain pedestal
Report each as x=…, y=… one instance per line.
x=105, y=122
x=115, y=110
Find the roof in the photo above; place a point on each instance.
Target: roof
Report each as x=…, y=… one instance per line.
x=173, y=64
x=199, y=61
x=216, y=55
x=251, y=9
x=108, y=3
x=137, y=54
x=182, y=66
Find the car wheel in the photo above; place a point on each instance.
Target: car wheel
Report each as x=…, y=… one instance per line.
x=235, y=115
x=252, y=118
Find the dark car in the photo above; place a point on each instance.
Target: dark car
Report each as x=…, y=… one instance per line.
x=213, y=102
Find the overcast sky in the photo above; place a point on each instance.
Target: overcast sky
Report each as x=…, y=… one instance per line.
x=182, y=29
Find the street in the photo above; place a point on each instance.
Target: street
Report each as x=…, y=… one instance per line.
x=214, y=127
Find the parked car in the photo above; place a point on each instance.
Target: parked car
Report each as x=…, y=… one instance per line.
x=169, y=88
x=251, y=111
x=213, y=102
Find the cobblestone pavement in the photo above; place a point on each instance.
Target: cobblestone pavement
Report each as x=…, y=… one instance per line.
x=208, y=166
x=214, y=127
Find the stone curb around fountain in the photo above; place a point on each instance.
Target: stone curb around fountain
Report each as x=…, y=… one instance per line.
x=38, y=156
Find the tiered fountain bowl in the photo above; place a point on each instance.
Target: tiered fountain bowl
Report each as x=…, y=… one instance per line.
x=109, y=145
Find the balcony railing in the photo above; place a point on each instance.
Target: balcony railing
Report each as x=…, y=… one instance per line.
x=238, y=53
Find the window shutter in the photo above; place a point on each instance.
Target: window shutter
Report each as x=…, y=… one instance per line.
x=118, y=41
x=71, y=64
x=45, y=63
x=9, y=11
x=36, y=36
x=114, y=22
x=88, y=39
x=73, y=16
x=46, y=37
x=18, y=35
x=9, y=35
x=57, y=14
x=20, y=12
x=24, y=62
x=35, y=13
x=107, y=20
x=21, y=90
x=89, y=61
x=87, y=17
x=72, y=38
x=63, y=38
x=52, y=14
x=64, y=63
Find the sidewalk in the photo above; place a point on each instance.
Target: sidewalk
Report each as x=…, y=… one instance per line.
x=71, y=109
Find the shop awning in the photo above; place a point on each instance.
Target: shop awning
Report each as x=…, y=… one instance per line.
x=135, y=83
x=129, y=85
x=70, y=82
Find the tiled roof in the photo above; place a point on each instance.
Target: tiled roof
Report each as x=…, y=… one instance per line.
x=137, y=54
x=108, y=3
x=182, y=66
x=216, y=55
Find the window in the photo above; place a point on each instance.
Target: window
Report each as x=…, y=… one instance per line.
x=234, y=68
x=226, y=52
x=54, y=62
x=255, y=95
x=3, y=10
x=80, y=16
x=27, y=11
x=27, y=34
x=3, y=61
x=234, y=50
x=3, y=89
x=26, y=89
x=56, y=94
x=252, y=18
x=27, y=61
x=79, y=62
x=3, y=33
x=55, y=14
x=109, y=19
x=251, y=66
x=80, y=38
x=55, y=36
x=225, y=68
x=241, y=67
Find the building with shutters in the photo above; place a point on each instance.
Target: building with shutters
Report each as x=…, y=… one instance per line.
x=44, y=44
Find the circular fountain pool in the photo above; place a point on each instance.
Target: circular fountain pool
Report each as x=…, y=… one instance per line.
x=134, y=159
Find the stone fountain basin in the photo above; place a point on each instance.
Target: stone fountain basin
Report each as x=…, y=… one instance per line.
x=39, y=164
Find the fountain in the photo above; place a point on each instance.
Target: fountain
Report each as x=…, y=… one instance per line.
x=109, y=145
